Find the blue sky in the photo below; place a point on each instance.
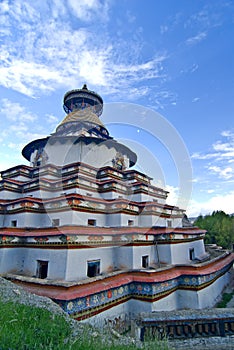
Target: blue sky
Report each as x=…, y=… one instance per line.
x=174, y=57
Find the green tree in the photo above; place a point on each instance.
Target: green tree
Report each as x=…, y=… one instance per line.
x=220, y=228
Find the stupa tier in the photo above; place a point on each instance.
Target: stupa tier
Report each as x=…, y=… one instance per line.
x=82, y=226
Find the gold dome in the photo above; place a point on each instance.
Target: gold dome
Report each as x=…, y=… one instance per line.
x=82, y=115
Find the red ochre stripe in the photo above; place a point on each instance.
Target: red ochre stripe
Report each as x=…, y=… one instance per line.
x=74, y=230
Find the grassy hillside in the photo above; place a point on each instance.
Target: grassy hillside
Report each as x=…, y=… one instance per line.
x=29, y=322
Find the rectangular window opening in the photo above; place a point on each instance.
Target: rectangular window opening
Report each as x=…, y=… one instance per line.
x=169, y=223
x=91, y=222
x=42, y=269
x=13, y=223
x=191, y=254
x=130, y=222
x=145, y=261
x=93, y=268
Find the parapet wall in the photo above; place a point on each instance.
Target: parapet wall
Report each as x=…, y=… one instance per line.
x=182, y=324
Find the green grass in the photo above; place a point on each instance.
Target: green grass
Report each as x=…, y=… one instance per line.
x=25, y=327
x=225, y=299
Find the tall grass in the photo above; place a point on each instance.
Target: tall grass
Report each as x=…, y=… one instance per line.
x=226, y=297
x=25, y=327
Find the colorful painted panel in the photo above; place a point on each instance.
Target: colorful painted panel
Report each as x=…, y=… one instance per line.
x=146, y=291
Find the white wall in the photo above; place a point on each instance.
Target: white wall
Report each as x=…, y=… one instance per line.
x=209, y=296
x=57, y=260
x=28, y=220
x=68, y=217
x=140, y=251
x=81, y=218
x=179, y=253
x=5, y=194
x=12, y=260
x=78, y=258
x=142, y=197
x=187, y=299
x=24, y=261
x=124, y=257
x=98, y=155
x=164, y=252
x=151, y=220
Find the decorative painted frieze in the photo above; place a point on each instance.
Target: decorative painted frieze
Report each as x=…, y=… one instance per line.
x=84, y=307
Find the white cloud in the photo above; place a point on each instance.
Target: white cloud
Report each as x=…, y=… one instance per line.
x=220, y=159
x=204, y=206
x=202, y=156
x=172, y=197
x=86, y=10
x=210, y=191
x=29, y=77
x=217, y=202
x=194, y=68
x=4, y=6
x=51, y=119
x=164, y=29
x=226, y=173
x=130, y=17
x=196, y=39
x=226, y=147
x=13, y=111
x=17, y=125
x=227, y=133
x=49, y=50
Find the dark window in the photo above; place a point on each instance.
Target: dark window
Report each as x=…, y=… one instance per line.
x=55, y=222
x=145, y=261
x=14, y=223
x=93, y=268
x=169, y=224
x=191, y=254
x=91, y=222
x=42, y=269
x=130, y=222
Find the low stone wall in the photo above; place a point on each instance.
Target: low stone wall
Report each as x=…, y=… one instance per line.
x=186, y=324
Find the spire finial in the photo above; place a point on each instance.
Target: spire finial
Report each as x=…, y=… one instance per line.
x=84, y=87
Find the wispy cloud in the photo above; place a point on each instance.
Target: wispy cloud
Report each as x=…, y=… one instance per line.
x=52, y=119
x=224, y=173
x=16, y=122
x=164, y=29
x=13, y=111
x=86, y=10
x=220, y=159
x=50, y=49
x=204, y=156
x=196, y=39
x=209, y=16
